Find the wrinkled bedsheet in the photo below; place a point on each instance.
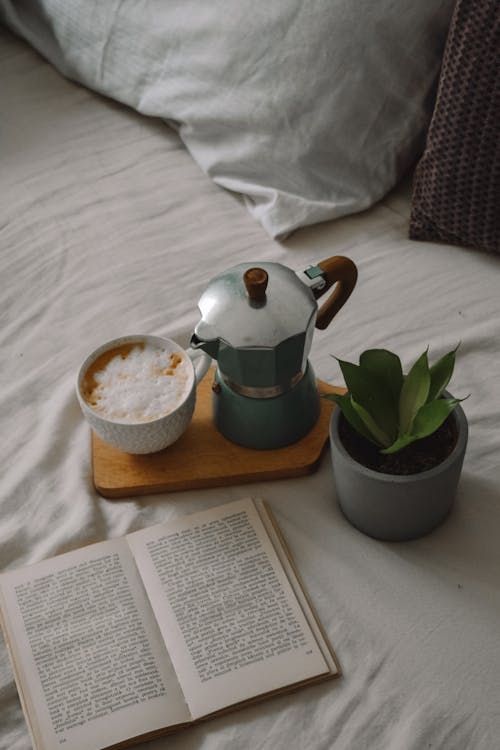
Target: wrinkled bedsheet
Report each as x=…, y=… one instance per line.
x=107, y=226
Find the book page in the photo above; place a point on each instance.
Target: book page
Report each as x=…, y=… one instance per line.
x=229, y=617
x=89, y=660
x=285, y=559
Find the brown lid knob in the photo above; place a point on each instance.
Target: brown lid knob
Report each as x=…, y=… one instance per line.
x=256, y=283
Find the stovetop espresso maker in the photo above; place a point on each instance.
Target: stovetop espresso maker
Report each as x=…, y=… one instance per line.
x=257, y=322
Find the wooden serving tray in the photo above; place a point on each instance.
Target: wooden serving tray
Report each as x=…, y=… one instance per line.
x=202, y=457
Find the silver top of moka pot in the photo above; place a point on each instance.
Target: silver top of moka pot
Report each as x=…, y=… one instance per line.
x=258, y=323
x=258, y=307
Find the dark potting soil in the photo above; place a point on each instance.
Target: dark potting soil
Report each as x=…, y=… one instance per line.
x=419, y=456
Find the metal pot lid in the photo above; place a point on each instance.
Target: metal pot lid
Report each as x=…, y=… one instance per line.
x=255, y=305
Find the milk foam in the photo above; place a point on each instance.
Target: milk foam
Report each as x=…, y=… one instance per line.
x=140, y=383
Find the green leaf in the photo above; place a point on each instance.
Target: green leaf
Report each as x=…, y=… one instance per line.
x=378, y=436
x=373, y=394
x=344, y=402
x=441, y=373
x=413, y=394
x=399, y=444
x=427, y=420
x=432, y=415
x=385, y=366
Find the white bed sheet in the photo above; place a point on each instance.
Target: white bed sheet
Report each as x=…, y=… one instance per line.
x=107, y=227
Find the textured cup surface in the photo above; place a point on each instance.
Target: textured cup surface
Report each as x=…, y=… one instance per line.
x=138, y=392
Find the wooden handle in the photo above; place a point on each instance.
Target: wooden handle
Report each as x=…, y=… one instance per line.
x=343, y=273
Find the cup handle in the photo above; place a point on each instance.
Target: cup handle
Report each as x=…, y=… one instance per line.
x=201, y=362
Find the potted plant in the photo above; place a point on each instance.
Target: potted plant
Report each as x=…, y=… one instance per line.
x=397, y=444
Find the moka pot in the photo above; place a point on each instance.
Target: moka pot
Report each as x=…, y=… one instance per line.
x=257, y=322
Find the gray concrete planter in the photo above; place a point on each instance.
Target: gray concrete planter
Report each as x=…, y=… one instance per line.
x=396, y=508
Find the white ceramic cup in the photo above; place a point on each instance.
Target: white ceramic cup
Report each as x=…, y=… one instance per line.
x=157, y=433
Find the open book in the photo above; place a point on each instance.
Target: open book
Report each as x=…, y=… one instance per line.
x=123, y=640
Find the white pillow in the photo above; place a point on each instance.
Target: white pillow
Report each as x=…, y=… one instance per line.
x=311, y=110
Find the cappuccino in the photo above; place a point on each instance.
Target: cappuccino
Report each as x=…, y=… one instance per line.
x=137, y=382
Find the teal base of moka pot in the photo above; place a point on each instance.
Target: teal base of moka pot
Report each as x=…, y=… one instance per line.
x=266, y=423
